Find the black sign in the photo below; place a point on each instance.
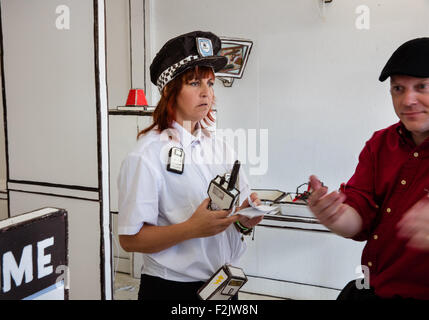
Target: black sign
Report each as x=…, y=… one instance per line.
x=33, y=255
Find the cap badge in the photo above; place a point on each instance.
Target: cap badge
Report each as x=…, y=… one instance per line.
x=204, y=47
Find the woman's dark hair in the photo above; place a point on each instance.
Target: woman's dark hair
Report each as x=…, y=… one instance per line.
x=164, y=113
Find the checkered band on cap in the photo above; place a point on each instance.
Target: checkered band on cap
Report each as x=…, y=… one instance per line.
x=168, y=74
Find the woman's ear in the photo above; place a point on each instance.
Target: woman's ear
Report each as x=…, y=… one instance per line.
x=164, y=90
x=167, y=89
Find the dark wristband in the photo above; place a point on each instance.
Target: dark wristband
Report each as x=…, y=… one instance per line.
x=242, y=229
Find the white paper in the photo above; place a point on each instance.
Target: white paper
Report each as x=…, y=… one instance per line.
x=256, y=211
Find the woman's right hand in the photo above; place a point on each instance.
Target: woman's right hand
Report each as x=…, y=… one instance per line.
x=205, y=222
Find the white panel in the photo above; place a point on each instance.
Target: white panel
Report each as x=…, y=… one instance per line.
x=84, y=239
x=122, y=265
x=117, y=249
x=137, y=44
x=103, y=140
x=92, y=195
x=307, y=257
x=50, y=90
x=288, y=290
x=122, y=139
x=118, y=52
x=138, y=264
x=56, y=133
x=3, y=210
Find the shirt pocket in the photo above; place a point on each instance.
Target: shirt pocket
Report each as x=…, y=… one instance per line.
x=181, y=197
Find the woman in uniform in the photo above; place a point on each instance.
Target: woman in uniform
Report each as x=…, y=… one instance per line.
x=163, y=203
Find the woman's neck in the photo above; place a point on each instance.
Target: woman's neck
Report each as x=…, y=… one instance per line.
x=188, y=125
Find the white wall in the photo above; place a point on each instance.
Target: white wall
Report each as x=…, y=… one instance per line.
x=57, y=128
x=121, y=55
x=118, y=52
x=48, y=80
x=312, y=82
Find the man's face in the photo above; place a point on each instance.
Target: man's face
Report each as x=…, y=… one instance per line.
x=410, y=98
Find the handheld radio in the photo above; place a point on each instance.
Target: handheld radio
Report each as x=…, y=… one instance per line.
x=222, y=191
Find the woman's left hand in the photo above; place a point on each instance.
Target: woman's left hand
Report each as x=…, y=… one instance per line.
x=246, y=221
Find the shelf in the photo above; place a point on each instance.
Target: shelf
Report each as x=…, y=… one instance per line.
x=130, y=111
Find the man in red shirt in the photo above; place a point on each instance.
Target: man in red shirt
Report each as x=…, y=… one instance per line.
x=386, y=202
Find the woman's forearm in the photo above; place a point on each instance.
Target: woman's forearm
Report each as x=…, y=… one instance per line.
x=152, y=239
x=202, y=223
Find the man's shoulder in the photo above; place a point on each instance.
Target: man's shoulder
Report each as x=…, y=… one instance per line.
x=390, y=132
x=385, y=139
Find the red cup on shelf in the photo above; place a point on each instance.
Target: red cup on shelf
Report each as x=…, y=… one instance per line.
x=136, y=97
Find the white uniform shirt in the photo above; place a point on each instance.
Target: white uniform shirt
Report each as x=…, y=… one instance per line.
x=148, y=193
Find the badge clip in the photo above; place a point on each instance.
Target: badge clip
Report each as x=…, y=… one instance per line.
x=176, y=160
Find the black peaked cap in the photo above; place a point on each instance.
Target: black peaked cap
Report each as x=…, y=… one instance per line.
x=411, y=59
x=182, y=53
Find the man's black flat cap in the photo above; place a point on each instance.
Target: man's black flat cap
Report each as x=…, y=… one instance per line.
x=197, y=48
x=411, y=59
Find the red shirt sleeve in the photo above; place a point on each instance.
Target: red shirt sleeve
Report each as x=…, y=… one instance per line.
x=360, y=192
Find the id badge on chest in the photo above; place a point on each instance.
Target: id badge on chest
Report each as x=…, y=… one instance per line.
x=176, y=160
